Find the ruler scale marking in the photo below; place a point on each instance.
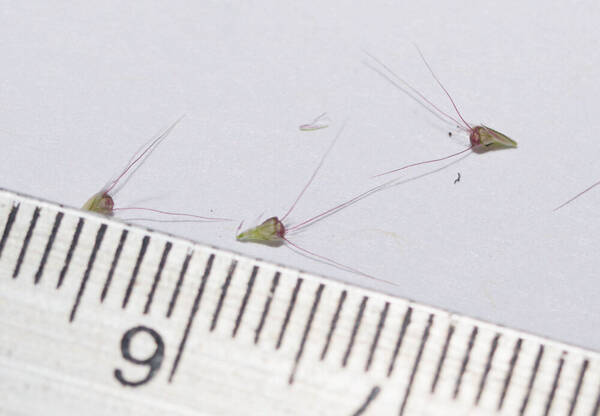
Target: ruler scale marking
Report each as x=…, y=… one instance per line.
x=534, y=371
x=509, y=374
x=88, y=270
x=333, y=324
x=72, y=247
x=192, y=316
x=372, y=396
x=555, y=382
x=136, y=270
x=355, y=328
x=584, y=367
x=8, y=226
x=311, y=316
x=415, y=368
x=442, y=358
x=288, y=313
x=113, y=265
x=267, y=307
x=403, y=328
x=596, y=410
x=48, y=248
x=175, y=294
x=224, y=289
x=23, y=252
x=488, y=366
x=157, y=276
x=380, y=326
x=465, y=362
x=245, y=299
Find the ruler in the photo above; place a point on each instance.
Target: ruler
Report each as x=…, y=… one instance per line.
x=102, y=317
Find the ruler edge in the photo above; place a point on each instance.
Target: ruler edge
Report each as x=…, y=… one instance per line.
x=435, y=310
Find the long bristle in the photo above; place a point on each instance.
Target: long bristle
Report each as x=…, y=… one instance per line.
x=333, y=142
x=425, y=162
x=141, y=156
x=175, y=214
x=336, y=264
x=577, y=196
x=443, y=88
x=423, y=100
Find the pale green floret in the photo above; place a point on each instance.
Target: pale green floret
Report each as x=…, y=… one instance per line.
x=100, y=203
x=490, y=136
x=270, y=230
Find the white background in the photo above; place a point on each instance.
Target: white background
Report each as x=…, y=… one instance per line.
x=83, y=85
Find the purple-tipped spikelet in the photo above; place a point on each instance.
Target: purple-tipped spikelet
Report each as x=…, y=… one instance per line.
x=271, y=229
x=482, y=135
x=102, y=203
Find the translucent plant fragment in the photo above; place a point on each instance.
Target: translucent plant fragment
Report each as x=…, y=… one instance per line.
x=273, y=229
x=321, y=122
x=102, y=202
x=482, y=138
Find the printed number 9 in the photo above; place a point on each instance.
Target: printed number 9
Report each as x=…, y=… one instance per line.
x=153, y=362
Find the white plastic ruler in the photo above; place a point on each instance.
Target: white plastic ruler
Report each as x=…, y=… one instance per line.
x=100, y=317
